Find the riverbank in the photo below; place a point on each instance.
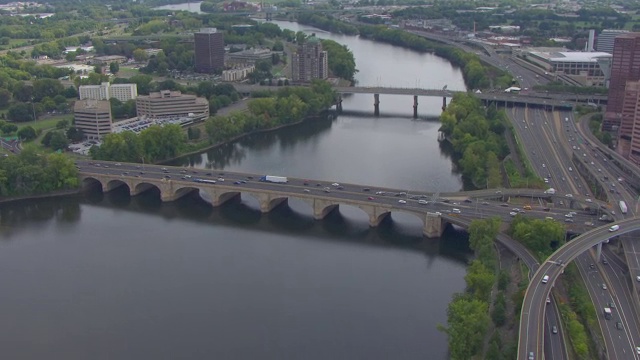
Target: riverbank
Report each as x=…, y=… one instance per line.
x=241, y=136
x=53, y=194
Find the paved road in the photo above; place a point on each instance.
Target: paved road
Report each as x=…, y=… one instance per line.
x=533, y=310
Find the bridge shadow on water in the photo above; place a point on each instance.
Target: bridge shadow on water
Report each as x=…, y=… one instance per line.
x=347, y=224
x=383, y=115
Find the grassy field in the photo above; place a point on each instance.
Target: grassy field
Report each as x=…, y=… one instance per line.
x=48, y=123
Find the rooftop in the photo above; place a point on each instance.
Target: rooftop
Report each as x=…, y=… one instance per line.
x=570, y=56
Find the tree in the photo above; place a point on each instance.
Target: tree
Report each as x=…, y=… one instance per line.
x=20, y=112
x=58, y=140
x=5, y=98
x=74, y=134
x=8, y=128
x=62, y=124
x=27, y=133
x=114, y=67
x=139, y=55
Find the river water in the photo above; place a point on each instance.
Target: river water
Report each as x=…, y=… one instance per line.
x=104, y=276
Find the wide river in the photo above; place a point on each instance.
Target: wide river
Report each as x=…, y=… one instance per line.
x=113, y=277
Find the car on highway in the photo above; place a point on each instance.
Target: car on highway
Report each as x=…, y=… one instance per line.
x=554, y=329
x=569, y=195
x=604, y=261
x=423, y=202
x=221, y=179
x=402, y=201
x=618, y=325
x=326, y=190
x=545, y=279
x=638, y=350
x=638, y=278
x=604, y=286
x=531, y=355
x=614, y=228
x=307, y=190
x=548, y=300
x=513, y=213
x=335, y=184
x=371, y=198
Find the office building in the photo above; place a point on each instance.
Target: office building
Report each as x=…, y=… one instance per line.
x=628, y=144
x=625, y=66
x=93, y=117
x=106, y=91
x=168, y=103
x=310, y=62
x=209, y=51
x=606, y=38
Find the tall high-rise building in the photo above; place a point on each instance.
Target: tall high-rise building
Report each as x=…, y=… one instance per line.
x=625, y=66
x=310, y=61
x=629, y=144
x=606, y=38
x=209, y=49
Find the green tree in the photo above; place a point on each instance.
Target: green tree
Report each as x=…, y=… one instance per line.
x=468, y=321
x=114, y=67
x=139, y=55
x=27, y=133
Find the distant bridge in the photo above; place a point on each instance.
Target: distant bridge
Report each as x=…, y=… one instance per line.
x=498, y=98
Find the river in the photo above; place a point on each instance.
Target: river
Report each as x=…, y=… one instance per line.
x=104, y=276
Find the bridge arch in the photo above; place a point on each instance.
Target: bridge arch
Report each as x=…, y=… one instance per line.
x=182, y=191
x=88, y=181
x=113, y=184
x=141, y=187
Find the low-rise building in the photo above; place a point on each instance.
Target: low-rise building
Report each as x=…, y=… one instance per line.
x=171, y=103
x=108, y=59
x=580, y=66
x=238, y=74
x=93, y=117
x=106, y=91
x=250, y=56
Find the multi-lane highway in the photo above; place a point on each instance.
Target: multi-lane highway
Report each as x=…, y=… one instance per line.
x=533, y=309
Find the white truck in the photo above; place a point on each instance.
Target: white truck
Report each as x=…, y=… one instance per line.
x=274, y=179
x=623, y=207
x=550, y=191
x=607, y=313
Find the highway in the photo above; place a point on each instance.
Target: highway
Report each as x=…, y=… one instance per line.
x=533, y=309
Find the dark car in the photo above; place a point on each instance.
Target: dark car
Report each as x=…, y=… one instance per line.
x=366, y=189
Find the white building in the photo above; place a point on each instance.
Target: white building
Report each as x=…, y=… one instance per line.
x=580, y=66
x=238, y=74
x=106, y=91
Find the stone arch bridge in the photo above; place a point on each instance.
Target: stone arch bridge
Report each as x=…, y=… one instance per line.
x=321, y=203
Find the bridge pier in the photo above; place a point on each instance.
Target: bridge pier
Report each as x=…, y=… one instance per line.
x=268, y=16
x=415, y=106
x=444, y=103
x=270, y=204
x=598, y=252
x=339, y=103
x=376, y=104
x=432, y=226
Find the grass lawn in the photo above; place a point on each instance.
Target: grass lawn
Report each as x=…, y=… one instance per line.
x=48, y=123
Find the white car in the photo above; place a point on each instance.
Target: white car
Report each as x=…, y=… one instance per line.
x=569, y=195
x=402, y=201
x=423, y=202
x=513, y=213
x=335, y=184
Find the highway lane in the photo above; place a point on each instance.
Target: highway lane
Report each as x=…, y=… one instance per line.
x=618, y=339
x=533, y=310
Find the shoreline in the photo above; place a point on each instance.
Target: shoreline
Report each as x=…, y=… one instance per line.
x=53, y=194
x=236, y=138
